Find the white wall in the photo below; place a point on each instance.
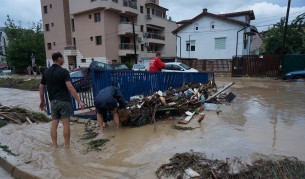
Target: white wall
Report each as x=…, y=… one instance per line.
x=205, y=39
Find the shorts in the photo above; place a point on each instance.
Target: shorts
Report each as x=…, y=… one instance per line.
x=60, y=109
x=105, y=112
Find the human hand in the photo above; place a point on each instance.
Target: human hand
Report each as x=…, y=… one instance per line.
x=82, y=105
x=42, y=106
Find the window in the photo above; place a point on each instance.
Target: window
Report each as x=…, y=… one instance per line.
x=51, y=6
x=73, y=26
x=220, y=43
x=89, y=16
x=196, y=27
x=212, y=25
x=159, y=13
x=52, y=24
x=153, y=11
x=148, y=10
x=142, y=47
x=93, y=0
x=74, y=41
x=47, y=27
x=98, y=40
x=141, y=9
x=49, y=46
x=54, y=44
x=83, y=60
x=91, y=38
x=190, y=45
x=45, y=9
x=142, y=28
x=116, y=1
x=97, y=17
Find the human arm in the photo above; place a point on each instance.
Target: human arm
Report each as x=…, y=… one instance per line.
x=42, y=104
x=160, y=65
x=119, y=97
x=74, y=94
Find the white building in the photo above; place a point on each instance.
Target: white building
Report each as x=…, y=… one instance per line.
x=211, y=36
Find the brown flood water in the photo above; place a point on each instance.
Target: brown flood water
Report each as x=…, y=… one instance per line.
x=267, y=117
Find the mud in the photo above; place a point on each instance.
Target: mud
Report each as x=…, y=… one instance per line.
x=267, y=117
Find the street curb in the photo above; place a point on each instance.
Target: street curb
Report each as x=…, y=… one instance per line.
x=14, y=166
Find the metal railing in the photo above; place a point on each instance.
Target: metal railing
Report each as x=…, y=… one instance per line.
x=127, y=46
x=155, y=36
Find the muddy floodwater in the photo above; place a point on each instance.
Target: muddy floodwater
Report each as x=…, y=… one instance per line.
x=267, y=116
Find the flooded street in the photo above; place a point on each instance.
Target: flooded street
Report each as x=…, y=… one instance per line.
x=267, y=116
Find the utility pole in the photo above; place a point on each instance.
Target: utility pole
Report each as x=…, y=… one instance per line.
x=284, y=35
x=134, y=42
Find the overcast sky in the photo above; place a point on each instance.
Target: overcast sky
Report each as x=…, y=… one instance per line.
x=267, y=12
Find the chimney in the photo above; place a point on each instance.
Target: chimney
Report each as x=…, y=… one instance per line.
x=205, y=10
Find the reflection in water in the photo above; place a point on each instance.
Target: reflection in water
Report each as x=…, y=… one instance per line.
x=266, y=117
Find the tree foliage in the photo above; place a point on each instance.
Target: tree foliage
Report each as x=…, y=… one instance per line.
x=295, y=37
x=22, y=43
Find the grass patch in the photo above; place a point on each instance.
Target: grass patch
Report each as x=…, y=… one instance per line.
x=6, y=149
x=30, y=85
x=95, y=145
x=2, y=123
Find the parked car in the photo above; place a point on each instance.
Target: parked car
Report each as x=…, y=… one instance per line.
x=177, y=67
x=120, y=67
x=294, y=75
x=138, y=67
x=101, y=65
x=80, y=81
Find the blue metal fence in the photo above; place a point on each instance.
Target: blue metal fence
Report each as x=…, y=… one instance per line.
x=131, y=83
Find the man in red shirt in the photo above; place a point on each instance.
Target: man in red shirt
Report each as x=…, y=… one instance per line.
x=155, y=64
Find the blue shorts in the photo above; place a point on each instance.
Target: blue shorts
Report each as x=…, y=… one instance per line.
x=60, y=109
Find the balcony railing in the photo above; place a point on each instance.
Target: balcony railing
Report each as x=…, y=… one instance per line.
x=155, y=36
x=127, y=46
x=130, y=3
x=70, y=47
x=151, y=1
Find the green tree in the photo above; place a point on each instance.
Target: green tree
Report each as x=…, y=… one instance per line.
x=22, y=43
x=295, y=37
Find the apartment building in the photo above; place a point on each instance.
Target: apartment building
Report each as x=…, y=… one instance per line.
x=112, y=31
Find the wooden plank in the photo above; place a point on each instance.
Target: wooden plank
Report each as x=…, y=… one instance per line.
x=220, y=91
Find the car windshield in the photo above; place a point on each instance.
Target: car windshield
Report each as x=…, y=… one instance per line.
x=121, y=67
x=185, y=66
x=138, y=66
x=77, y=74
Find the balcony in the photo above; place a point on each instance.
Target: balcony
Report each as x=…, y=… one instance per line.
x=155, y=36
x=150, y=1
x=130, y=7
x=127, y=48
x=70, y=50
x=126, y=28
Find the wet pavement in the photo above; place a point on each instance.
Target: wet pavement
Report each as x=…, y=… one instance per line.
x=267, y=117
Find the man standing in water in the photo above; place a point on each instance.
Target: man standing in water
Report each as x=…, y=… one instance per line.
x=59, y=85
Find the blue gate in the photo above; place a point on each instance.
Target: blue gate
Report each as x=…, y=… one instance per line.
x=131, y=83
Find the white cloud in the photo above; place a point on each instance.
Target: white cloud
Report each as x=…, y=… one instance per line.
x=25, y=11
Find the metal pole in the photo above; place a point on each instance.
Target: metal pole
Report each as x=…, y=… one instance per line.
x=284, y=35
x=189, y=45
x=180, y=43
x=134, y=42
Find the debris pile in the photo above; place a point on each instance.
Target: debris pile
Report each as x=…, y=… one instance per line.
x=194, y=164
x=186, y=101
x=20, y=115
